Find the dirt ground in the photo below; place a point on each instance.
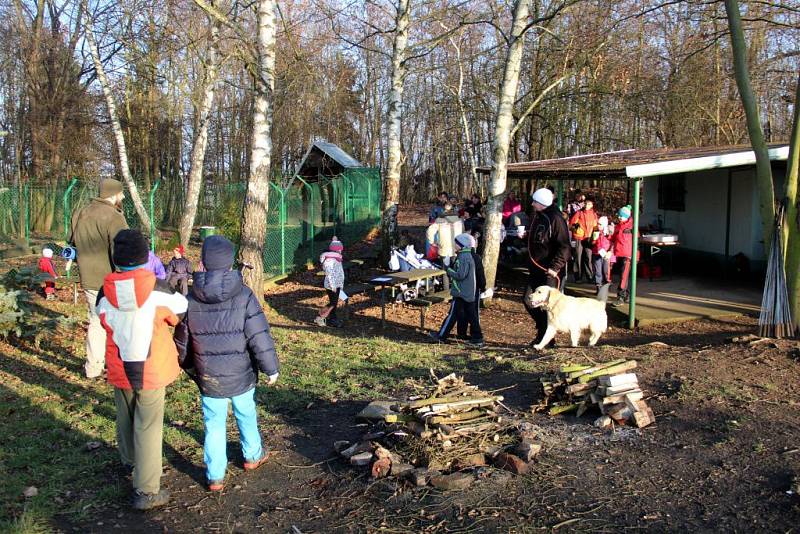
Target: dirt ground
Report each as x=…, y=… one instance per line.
x=720, y=456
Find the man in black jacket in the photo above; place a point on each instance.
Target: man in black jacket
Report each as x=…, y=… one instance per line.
x=548, y=253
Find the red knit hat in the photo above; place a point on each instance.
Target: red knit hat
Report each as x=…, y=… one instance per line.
x=336, y=245
x=180, y=249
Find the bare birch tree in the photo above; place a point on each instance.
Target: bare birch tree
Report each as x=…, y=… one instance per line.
x=254, y=222
x=200, y=143
x=391, y=183
x=116, y=128
x=501, y=140
x=793, y=213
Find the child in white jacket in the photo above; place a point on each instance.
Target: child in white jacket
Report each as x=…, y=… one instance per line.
x=334, y=283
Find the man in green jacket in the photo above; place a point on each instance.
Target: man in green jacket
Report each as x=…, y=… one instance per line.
x=93, y=229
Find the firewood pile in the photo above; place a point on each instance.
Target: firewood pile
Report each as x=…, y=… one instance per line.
x=610, y=387
x=442, y=437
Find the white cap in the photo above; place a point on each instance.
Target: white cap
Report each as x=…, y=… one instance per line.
x=47, y=253
x=543, y=196
x=465, y=240
x=603, y=221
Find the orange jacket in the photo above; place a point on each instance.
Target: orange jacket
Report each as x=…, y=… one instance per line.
x=586, y=221
x=137, y=313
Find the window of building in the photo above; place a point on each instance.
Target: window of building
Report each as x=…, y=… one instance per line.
x=672, y=192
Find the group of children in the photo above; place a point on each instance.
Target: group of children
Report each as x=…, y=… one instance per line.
x=176, y=274
x=221, y=339
x=600, y=246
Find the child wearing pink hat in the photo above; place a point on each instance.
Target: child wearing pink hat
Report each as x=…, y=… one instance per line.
x=331, y=261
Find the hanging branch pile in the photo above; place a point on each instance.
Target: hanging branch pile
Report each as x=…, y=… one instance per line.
x=609, y=386
x=439, y=436
x=775, y=319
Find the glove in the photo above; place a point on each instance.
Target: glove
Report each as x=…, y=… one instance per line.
x=273, y=379
x=552, y=273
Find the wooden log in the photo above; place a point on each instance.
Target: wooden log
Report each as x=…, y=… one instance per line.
x=452, y=399
x=618, y=380
x=607, y=391
x=594, y=369
x=477, y=401
x=575, y=389
x=570, y=368
x=613, y=370
x=564, y=408
x=644, y=417
x=634, y=395
x=457, y=417
x=620, y=413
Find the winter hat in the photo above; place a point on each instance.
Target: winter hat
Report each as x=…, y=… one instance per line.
x=110, y=187
x=336, y=245
x=602, y=221
x=217, y=253
x=624, y=213
x=180, y=249
x=465, y=240
x=543, y=196
x=130, y=249
x=47, y=252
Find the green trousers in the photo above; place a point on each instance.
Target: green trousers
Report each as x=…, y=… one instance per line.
x=140, y=434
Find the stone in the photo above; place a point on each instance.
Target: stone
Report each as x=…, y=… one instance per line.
x=454, y=481
x=473, y=460
x=361, y=459
x=528, y=450
x=364, y=446
x=418, y=476
x=603, y=421
x=511, y=463
x=381, y=467
x=340, y=445
x=30, y=491
x=376, y=411
x=399, y=469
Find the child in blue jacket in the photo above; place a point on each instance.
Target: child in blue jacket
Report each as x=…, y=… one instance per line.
x=226, y=339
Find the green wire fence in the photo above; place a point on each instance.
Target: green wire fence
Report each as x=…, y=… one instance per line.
x=302, y=216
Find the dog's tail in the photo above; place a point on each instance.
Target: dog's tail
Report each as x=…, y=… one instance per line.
x=602, y=293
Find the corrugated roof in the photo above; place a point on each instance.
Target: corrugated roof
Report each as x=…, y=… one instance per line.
x=612, y=164
x=338, y=155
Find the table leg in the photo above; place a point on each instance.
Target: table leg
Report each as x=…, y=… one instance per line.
x=383, y=306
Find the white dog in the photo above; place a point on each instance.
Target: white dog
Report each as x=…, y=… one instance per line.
x=569, y=314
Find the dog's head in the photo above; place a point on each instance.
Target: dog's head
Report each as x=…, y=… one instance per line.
x=540, y=298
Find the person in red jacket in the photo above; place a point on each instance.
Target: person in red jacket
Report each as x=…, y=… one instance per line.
x=601, y=254
x=46, y=267
x=582, y=224
x=137, y=311
x=511, y=205
x=622, y=246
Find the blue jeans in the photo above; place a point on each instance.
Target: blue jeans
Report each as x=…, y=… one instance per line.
x=215, y=417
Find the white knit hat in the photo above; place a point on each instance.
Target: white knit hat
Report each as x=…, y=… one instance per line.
x=47, y=252
x=465, y=240
x=543, y=196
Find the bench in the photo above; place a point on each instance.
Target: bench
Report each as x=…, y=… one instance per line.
x=426, y=301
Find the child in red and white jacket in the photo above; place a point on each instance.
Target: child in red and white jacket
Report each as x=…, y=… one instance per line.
x=601, y=253
x=46, y=267
x=622, y=243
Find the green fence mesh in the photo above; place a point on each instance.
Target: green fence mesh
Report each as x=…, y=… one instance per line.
x=301, y=219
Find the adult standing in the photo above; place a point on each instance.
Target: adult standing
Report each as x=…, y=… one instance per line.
x=93, y=230
x=582, y=225
x=548, y=252
x=511, y=205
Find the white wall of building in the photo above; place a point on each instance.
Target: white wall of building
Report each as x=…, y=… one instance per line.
x=701, y=227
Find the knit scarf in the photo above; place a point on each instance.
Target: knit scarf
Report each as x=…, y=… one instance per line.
x=330, y=255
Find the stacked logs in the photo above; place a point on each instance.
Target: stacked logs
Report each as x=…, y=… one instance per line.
x=442, y=437
x=610, y=387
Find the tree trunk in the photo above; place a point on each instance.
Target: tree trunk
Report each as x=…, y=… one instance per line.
x=115, y=124
x=500, y=142
x=792, y=213
x=766, y=193
x=254, y=222
x=391, y=184
x=201, y=137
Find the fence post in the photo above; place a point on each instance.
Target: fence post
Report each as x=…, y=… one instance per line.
x=27, y=197
x=66, y=203
x=152, y=215
x=310, y=218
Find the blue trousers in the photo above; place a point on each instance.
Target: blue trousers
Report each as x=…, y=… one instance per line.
x=215, y=417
